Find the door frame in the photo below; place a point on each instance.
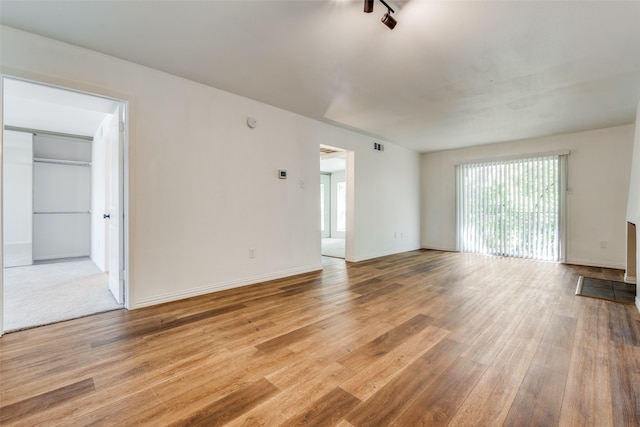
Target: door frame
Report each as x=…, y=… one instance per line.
x=123, y=106
x=350, y=233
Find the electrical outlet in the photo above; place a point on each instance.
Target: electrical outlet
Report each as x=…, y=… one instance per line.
x=603, y=245
x=252, y=253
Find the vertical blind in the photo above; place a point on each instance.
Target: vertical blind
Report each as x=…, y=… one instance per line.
x=512, y=207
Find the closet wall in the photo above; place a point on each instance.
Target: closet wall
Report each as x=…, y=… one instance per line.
x=17, y=198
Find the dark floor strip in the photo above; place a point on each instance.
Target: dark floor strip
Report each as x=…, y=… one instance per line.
x=46, y=400
x=165, y=326
x=328, y=410
x=232, y=406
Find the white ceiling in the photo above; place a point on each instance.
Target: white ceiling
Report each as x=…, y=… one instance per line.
x=451, y=74
x=333, y=163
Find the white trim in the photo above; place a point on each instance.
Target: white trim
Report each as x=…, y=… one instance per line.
x=515, y=157
x=629, y=279
x=580, y=284
x=638, y=302
x=563, y=180
x=1, y=207
x=216, y=287
x=591, y=263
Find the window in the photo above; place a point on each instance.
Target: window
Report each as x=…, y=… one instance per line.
x=322, y=207
x=341, y=204
x=512, y=208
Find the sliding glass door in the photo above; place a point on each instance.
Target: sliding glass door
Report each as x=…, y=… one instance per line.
x=512, y=207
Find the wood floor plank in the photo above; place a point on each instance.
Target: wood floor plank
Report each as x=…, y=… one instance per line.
x=539, y=399
x=220, y=376
x=530, y=331
x=493, y=338
x=386, y=342
x=623, y=328
x=373, y=376
x=422, y=337
x=392, y=399
x=489, y=402
x=592, y=328
x=624, y=374
x=123, y=410
x=556, y=346
x=300, y=383
x=45, y=400
x=158, y=327
x=588, y=390
x=230, y=406
x=327, y=410
x=436, y=405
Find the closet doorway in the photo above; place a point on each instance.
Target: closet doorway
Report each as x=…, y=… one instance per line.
x=63, y=190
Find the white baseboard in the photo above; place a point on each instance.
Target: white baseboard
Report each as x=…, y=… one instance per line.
x=638, y=302
x=216, y=287
x=629, y=279
x=592, y=263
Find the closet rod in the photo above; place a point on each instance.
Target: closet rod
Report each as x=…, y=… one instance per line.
x=47, y=132
x=62, y=213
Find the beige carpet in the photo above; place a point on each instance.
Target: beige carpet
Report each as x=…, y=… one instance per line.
x=47, y=293
x=333, y=247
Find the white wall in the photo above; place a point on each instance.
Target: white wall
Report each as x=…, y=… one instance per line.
x=598, y=182
x=203, y=187
x=17, y=198
x=385, y=218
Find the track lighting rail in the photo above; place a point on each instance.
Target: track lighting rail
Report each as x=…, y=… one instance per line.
x=387, y=19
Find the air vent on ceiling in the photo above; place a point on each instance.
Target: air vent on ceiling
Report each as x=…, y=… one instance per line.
x=325, y=150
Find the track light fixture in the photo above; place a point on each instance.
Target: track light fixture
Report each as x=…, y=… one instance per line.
x=387, y=19
x=368, y=6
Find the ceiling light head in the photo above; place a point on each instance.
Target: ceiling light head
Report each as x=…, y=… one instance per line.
x=368, y=6
x=389, y=20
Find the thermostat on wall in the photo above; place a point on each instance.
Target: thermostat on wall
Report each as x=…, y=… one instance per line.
x=282, y=174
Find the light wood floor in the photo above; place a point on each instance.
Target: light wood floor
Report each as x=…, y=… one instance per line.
x=420, y=338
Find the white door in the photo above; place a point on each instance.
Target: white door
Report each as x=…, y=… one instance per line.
x=115, y=204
